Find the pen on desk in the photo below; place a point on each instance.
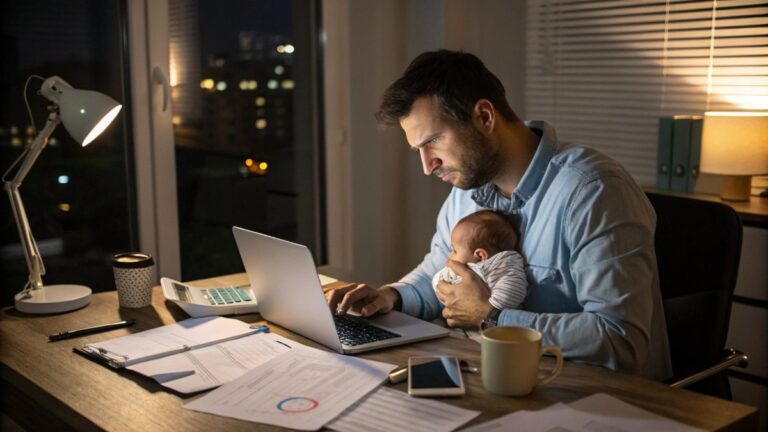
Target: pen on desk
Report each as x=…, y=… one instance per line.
x=260, y=328
x=283, y=343
x=398, y=375
x=90, y=330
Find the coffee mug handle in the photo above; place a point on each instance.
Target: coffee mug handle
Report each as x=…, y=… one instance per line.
x=552, y=349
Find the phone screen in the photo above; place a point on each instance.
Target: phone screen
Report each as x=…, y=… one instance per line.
x=436, y=372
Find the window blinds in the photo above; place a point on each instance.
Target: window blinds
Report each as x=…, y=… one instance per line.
x=604, y=71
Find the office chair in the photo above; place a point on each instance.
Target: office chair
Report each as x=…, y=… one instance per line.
x=698, y=247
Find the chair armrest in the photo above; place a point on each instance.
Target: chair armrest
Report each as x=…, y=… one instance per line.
x=731, y=357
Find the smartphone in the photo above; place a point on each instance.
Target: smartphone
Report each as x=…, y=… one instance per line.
x=434, y=376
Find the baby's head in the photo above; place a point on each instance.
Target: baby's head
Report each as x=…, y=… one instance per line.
x=482, y=235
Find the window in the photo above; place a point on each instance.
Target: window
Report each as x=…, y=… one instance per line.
x=244, y=92
x=603, y=72
x=79, y=201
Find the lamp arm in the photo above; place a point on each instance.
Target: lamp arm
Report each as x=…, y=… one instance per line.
x=31, y=253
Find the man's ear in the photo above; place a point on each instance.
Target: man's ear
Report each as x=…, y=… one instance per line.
x=484, y=116
x=481, y=254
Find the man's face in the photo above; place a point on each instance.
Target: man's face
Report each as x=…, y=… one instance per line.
x=459, y=155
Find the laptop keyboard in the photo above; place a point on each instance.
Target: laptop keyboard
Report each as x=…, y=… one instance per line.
x=356, y=331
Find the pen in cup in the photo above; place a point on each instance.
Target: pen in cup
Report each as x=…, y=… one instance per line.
x=90, y=330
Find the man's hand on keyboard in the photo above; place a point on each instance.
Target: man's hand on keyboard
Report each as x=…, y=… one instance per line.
x=362, y=297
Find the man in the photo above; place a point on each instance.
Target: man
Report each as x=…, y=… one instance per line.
x=586, y=228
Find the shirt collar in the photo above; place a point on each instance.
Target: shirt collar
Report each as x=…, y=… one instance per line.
x=488, y=195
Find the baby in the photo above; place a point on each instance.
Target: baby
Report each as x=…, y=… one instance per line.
x=485, y=241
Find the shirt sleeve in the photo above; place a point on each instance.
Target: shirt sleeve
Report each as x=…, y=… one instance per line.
x=609, y=228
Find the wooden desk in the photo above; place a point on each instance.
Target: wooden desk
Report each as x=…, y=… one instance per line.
x=47, y=387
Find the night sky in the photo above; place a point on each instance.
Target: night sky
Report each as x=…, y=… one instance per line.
x=221, y=21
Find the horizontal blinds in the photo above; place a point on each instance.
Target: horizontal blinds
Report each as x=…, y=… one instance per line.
x=604, y=71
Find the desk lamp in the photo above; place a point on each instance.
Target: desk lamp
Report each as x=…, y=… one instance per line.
x=735, y=144
x=85, y=115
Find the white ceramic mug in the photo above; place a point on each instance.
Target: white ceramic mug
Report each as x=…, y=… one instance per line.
x=134, y=276
x=510, y=358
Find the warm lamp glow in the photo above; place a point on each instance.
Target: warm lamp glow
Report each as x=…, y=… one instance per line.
x=735, y=144
x=101, y=125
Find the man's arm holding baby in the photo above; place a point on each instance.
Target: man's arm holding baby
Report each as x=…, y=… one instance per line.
x=466, y=304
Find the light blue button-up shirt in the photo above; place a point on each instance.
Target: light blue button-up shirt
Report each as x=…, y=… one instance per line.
x=586, y=232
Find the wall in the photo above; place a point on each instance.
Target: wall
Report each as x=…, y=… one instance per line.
x=381, y=208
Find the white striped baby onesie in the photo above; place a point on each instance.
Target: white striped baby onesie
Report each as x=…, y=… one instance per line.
x=504, y=273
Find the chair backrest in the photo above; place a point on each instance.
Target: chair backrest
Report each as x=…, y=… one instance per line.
x=698, y=247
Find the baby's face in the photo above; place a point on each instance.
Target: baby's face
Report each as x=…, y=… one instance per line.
x=460, y=250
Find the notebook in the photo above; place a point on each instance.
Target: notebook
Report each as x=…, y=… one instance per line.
x=285, y=282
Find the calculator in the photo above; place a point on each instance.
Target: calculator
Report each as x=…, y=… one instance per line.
x=198, y=302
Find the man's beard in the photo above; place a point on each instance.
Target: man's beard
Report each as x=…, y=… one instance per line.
x=479, y=162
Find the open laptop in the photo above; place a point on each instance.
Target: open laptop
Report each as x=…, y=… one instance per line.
x=287, y=287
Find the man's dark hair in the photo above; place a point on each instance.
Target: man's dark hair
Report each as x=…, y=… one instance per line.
x=490, y=230
x=456, y=79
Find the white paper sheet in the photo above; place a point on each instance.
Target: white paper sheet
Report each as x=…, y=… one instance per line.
x=303, y=388
x=388, y=410
x=212, y=366
x=170, y=339
x=326, y=280
x=597, y=413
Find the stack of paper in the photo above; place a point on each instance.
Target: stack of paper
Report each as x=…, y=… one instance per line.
x=191, y=355
x=167, y=340
x=214, y=365
x=303, y=388
x=388, y=410
x=599, y=412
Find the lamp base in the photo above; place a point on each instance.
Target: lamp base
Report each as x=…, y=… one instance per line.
x=736, y=188
x=52, y=299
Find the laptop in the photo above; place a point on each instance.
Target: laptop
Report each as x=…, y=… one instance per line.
x=287, y=287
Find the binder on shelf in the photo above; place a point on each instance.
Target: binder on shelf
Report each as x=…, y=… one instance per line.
x=681, y=140
x=664, y=154
x=695, y=152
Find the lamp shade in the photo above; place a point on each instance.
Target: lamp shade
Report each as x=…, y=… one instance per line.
x=735, y=143
x=85, y=113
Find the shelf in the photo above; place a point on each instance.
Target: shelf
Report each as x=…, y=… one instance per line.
x=753, y=212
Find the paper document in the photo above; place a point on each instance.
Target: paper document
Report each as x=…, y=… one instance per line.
x=326, y=280
x=596, y=413
x=303, y=388
x=168, y=340
x=388, y=410
x=214, y=365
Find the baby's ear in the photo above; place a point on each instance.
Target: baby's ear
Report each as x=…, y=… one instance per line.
x=481, y=254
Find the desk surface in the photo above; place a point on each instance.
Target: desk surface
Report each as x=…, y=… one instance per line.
x=46, y=386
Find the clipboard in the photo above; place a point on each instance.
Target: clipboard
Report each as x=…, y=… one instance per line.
x=109, y=359
x=97, y=358
x=165, y=341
